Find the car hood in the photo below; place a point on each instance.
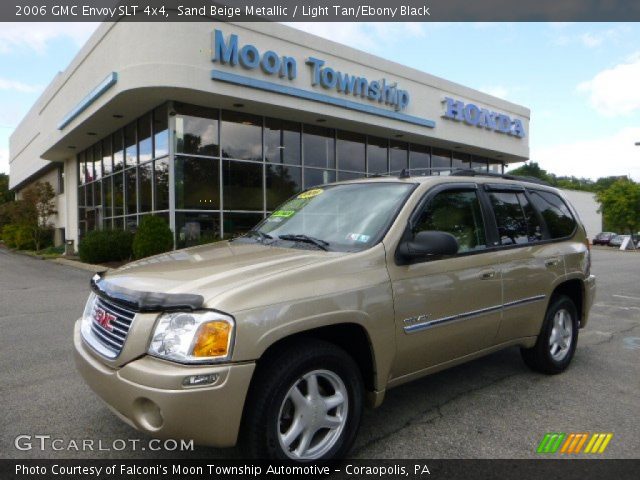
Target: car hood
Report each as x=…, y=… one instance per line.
x=202, y=272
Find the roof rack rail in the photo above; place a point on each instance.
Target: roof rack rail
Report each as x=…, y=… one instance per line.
x=474, y=173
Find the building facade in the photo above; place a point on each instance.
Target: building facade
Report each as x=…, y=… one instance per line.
x=213, y=125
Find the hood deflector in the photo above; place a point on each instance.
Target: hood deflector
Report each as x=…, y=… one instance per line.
x=145, y=301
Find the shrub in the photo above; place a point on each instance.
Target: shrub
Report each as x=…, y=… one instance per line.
x=105, y=246
x=24, y=238
x=152, y=237
x=51, y=250
x=9, y=235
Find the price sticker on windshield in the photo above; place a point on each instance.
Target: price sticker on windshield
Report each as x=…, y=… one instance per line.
x=311, y=193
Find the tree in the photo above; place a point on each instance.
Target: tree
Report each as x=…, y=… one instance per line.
x=38, y=206
x=620, y=205
x=5, y=195
x=532, y=169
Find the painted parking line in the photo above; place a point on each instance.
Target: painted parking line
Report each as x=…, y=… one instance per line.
x=627, y=297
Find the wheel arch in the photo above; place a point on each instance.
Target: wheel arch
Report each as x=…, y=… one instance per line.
x=352, y=337
x=575, y=290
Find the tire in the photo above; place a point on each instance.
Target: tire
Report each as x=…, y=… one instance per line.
x=282, y=394
x=557, y=340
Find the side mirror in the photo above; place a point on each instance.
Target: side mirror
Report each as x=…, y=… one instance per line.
x=427, y=244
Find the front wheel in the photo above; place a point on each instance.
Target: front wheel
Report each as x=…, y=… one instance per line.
x=558, y=338
x=305, y=404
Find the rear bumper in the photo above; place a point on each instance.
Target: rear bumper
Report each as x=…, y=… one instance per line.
x=589, y=296
x=148, y=395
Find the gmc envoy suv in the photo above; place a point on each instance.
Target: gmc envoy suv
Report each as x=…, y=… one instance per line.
x=278, y=339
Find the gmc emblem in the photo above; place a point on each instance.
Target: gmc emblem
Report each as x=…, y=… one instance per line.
x=104, y=318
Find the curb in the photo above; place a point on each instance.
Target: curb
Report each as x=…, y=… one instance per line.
x=79, y=265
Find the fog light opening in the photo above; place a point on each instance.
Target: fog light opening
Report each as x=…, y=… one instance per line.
x=148, y=414
x=199, y=380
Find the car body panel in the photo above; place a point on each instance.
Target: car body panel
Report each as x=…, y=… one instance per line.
x=273, y=293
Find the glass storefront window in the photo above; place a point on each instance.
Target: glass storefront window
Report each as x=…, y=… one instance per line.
x=420, y=159
x=145, y=173
x=97, y=193
x=398, y=156
x=282, y=183
x=265, y=161
x=238, y=223
x=197, y=130
x=495, y=166
x=196, y=228
x=118, y=151
x=241, y=136
x=197, y=183
x=242, y=185
x=460, y=161
x=318, y=145
x=88, y=168
x=440, y=162
x=97, y=161
x=479, y=164
x=349, y=176
x=145, y=145
x=160, y=131
x=118, y=194
x=377, y=155
x=282, y=141
x=131, y=187
x=81, y=168
x=107, y=190
x=351, y=151
x=162, y=184
x=89, y=195
x=107, y=160
x=316, y=176
x=130, y=149
x=131, y=223
x=81, y=196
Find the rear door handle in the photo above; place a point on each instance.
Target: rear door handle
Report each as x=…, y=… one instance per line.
x=551, y=262
x=488, y=274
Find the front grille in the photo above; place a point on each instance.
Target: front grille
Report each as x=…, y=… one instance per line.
x=110, y=324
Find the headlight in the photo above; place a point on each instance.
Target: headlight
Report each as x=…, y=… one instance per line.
x=87, y=315
x=193, y=337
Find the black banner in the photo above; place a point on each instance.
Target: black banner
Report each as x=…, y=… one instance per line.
x=319, y=10
x=563, y=469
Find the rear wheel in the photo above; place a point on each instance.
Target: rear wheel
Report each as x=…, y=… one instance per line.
x=305, y=404
x=558, y=338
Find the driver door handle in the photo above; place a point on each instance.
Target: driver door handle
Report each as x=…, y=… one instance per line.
x=488, y=274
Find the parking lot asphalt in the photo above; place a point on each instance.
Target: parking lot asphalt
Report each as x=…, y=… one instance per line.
x=493, y=407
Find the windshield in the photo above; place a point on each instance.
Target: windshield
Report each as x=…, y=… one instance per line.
x=347, y=217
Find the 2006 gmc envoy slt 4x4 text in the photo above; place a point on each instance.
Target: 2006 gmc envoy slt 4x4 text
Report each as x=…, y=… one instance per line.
x=278, y=338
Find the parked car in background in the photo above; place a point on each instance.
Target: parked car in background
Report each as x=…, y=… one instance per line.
x=618, y=239
x=603, y=238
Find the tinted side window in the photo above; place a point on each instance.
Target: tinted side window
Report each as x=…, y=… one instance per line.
x=517, y=221
x=458, y=213
x=555, y=212
x=534, y=226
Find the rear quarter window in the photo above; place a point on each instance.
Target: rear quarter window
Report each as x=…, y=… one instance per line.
x=555, y=212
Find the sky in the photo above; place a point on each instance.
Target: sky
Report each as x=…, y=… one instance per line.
x=580, y=80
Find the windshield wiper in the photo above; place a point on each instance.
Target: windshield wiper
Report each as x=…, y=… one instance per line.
x=306, y=239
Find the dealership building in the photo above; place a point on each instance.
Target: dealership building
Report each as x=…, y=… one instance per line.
x=211, y=125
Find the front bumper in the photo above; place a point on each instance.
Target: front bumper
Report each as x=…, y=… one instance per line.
x=147, y=393
x=589, y=296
